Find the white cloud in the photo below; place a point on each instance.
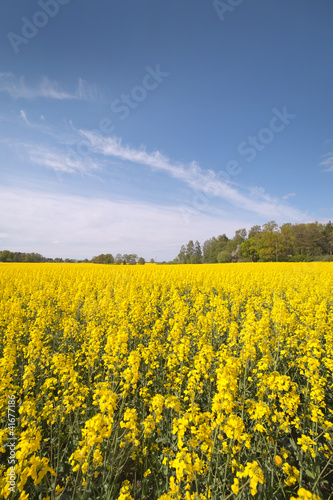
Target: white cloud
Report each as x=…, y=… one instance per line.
x=17, y=88
x=194, y=176
x=286, y=196
x=327, y=162
x=60, y=160
x=86, y=92
x=24, y=117
x=78, y=227
x=211, y=185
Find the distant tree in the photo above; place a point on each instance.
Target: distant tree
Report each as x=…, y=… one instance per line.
x=34, y=257
x=99, y=259
x=224, y=257
x=328, y=238
x=27, y=257
x=254, y=231
x=189, y=252
x=208, y=250
x=152, y=261
x=213, y=246
x=133, y=258
x=269, y=242
x=233, y=245
x=109, y=259
x=182, y=255
x=103, y=259
x=287, y=242
x=248, y=250
x=130, y=258
x=197, y=255
x=141, y=261
x=308, y=239
x=240, y=236
x=119, y=259
x=5, y=256
x=18, y=257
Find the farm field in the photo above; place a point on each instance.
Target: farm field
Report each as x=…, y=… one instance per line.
x=166, y=382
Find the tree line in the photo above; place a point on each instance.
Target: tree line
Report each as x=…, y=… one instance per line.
x=290, y=242
x=130, y=259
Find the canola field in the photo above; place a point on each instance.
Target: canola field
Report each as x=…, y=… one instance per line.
x=166, y=382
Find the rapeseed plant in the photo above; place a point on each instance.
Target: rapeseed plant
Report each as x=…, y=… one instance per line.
x=167, y=382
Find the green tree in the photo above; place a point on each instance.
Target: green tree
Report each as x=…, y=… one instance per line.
x=248, y=249
x=308, y=239
x=109, y=259
x=99, y=259
x=254, y=231
x=233, y=245
x=268, y=243
x=197, y=257
x=189, y=252
x=131, y=258
x=209, y=252
x=224, y=257
x=240, y=236
x=328, y=238
x=213, y=246
x=118, y=259
x=287, y=250
x=182, y=255
x=5, y=256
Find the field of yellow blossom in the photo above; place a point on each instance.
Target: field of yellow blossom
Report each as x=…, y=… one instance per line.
x=166, y=382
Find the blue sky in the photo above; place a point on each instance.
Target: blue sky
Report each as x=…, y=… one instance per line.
x=133, y=127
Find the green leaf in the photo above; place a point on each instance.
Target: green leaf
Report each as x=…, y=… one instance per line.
x=309, y=474
x=293, y=444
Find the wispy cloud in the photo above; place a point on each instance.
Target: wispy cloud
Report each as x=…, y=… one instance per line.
x=18, y=89
x=327, y=162
x=24, y=117
x=289, y=195
x=193, y=175
x=86, y=91
x=60, y=161
x=57, y=159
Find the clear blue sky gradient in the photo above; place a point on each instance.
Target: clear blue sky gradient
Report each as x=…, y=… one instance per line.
x=136, y=126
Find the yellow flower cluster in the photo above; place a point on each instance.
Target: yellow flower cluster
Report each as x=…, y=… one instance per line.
x=166, y=382
x=304, y=494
